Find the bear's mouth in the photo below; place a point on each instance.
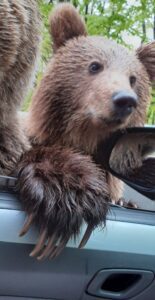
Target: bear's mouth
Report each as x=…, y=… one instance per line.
x=116, y=121
x=120, y=118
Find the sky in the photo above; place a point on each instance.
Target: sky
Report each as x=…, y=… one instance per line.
x=134, y=40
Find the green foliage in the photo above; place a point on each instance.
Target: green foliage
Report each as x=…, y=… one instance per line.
x=151, y=110
x=45, y=49
x=45, y=10
x=110, y=18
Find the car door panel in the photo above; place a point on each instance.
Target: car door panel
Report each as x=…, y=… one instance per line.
x=126, y=243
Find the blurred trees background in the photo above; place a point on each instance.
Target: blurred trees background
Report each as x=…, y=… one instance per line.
x=129, y=22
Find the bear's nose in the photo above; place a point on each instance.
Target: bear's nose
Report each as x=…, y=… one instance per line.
x=124, y=102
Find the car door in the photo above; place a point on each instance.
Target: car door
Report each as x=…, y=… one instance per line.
x=118, y=261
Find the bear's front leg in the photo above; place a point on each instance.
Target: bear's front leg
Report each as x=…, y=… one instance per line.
x=59, y=189
x=116, y=188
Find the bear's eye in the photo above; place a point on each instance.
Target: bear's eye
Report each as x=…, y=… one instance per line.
x=95, y=67
x=132, y=80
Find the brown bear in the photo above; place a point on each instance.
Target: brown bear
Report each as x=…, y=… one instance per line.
x=91, y=88
x=19, y=44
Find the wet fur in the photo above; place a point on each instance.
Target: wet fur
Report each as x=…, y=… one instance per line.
x=71, y=113
x=19, y=40
x=66, y=187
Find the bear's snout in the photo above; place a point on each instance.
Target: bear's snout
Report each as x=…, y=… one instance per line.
x=124, y=103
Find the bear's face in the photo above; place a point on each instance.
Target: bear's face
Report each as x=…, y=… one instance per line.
x=104, y=84
x=92, y=87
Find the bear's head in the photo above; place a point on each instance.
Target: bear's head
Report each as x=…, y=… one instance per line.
x=92, y=86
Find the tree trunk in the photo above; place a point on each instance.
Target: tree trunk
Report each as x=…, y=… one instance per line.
x=86, y=12
x=154, y=26
x=144, y=31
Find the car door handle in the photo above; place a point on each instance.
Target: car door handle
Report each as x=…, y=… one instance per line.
x=119, y=283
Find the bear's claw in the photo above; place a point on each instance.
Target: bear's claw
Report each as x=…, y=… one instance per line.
x=86, y=236
x=60, y=189
x=27, y=225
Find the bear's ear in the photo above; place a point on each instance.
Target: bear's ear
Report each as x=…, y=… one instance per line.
x=65, y=24
x=146, y=54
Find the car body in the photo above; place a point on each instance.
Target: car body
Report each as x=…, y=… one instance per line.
x=118, y=261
